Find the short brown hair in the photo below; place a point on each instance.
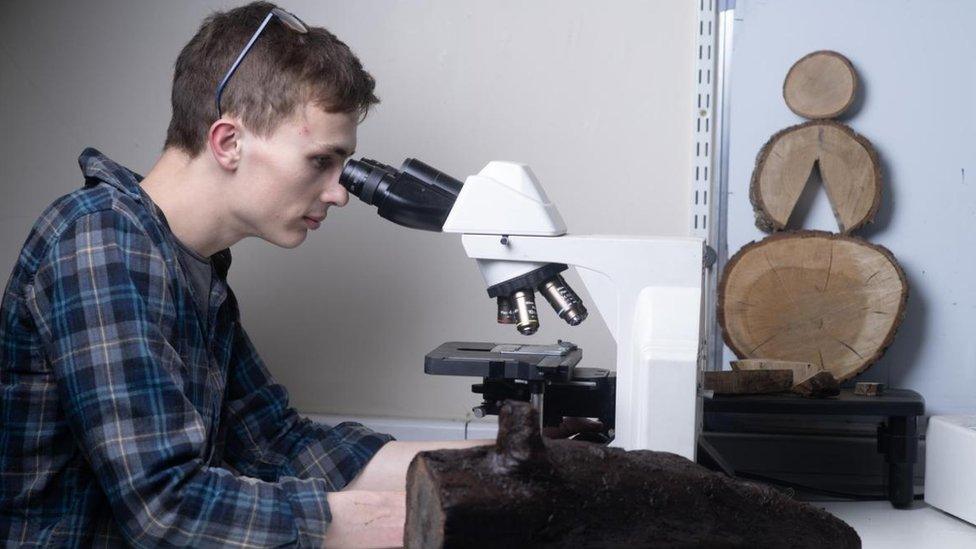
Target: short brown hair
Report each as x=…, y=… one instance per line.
x=283, y=71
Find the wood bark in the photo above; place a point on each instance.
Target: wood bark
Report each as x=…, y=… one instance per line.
x=848, y=166
x=821, y=84
x=748, y=382
x=801, y=370
x=819, y=385
x=812, y=296
x=526, y=492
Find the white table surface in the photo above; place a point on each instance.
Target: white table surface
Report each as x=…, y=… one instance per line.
x=922, y=526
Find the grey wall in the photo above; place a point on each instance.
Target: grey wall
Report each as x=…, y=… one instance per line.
x=915, y=64
x=596, y=97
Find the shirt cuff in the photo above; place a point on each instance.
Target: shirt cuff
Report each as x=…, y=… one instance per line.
x=310, y=509
x=339, y=454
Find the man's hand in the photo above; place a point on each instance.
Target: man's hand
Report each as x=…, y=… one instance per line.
x=366, y=519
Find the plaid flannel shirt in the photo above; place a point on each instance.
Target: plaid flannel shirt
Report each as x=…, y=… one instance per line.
x=128, y=419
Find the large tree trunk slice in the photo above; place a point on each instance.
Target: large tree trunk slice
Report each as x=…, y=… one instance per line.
x=820, y=85
x=848, y=166
x=812, y=296
x=524, y=492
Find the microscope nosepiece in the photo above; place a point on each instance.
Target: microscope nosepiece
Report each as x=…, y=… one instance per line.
x=564, y=300
x=516, y=298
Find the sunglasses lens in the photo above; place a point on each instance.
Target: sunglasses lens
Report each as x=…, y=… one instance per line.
x=290, y=20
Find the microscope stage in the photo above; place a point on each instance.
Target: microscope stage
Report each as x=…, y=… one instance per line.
x=504, y=361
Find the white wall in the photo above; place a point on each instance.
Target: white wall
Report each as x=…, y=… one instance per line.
x=915, y=64
x=596, y=97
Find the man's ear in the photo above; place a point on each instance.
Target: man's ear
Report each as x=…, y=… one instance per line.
x=224, y=139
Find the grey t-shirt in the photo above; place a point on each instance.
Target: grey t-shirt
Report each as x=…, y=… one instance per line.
x=198, y=269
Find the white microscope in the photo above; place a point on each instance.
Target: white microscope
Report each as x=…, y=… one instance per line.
x=647, y=289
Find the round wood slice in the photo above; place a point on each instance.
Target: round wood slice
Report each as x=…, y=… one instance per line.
x=820, y=85
x=812, y=296
x=848, y=165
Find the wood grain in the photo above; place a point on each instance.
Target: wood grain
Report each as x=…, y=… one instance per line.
x=801, y=370
x=748, y=382
x=812, y=296
x=821, y=84
x=848, y=166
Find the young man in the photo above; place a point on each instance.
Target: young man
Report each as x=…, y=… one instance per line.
x=134, y=408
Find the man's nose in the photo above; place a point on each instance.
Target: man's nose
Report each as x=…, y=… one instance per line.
x=335, y=193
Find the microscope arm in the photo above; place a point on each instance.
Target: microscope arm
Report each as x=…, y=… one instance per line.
x=648, y=290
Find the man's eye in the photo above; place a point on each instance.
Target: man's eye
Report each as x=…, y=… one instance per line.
x=322, y=162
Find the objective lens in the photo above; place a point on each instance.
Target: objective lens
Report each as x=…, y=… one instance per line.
x=527, y=318
x=506, y=313
x=564, y=300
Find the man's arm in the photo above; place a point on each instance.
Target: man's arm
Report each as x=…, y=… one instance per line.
x=99, y=298
x=388, y=469
x=266, y=438
x=371, y=510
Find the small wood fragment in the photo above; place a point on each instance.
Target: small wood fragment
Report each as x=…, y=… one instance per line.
x=801, y=370
x=748, y=382
x=866, y=388
x=819, y=385
x=822, y=84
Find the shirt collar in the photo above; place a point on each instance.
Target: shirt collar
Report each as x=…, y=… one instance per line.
x=98, y=168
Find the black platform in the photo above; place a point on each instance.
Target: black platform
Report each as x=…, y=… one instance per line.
x=897, y=434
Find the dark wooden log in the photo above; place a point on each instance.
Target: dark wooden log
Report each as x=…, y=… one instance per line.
x=527, y=492
x=748, y=382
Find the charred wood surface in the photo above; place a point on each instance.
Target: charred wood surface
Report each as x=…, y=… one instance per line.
x=527, y=492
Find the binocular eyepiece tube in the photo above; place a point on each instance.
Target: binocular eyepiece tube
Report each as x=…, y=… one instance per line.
x=416, y=196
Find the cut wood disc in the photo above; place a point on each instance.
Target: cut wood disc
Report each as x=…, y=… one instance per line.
x=848, y=165
x=812, y=296
x=820, y=85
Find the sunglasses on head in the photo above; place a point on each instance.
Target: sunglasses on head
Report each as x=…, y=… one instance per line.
x=289, y=20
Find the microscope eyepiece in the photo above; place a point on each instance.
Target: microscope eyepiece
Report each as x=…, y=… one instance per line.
x=362, y=177
x=416, y=196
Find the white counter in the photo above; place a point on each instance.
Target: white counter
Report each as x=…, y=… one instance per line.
x=922, y=527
